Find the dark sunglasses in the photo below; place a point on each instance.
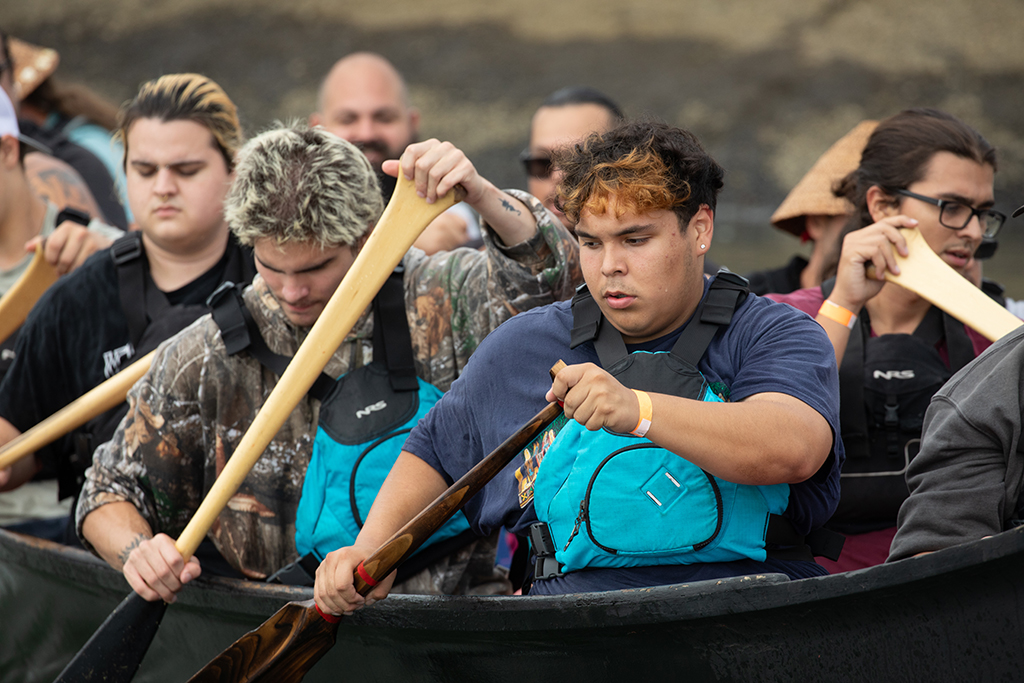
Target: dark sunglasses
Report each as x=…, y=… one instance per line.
x=536, y=167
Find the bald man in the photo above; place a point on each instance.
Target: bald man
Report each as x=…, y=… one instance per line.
x=364, y=100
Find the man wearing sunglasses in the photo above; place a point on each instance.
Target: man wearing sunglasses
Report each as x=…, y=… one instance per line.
x=564, y=117
x=923, y=170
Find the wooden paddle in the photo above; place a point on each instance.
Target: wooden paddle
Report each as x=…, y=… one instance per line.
x=23, y=295
x=923, y=272
x=94, y=402
x=288, y=644
x=115, y=651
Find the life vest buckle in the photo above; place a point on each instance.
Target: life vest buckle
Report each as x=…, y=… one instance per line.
x=545, y=566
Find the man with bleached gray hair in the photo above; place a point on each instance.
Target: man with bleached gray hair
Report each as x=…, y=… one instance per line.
x=305, y=200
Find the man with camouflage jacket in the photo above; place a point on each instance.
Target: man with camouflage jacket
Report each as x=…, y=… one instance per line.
x=305, y=200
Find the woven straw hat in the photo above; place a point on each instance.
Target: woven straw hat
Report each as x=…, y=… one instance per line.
x=32, y=65
x=813, y=194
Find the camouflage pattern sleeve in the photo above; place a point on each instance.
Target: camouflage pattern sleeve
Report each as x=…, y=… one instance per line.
x=164, y=421
x=186, y=418
x=456, y=298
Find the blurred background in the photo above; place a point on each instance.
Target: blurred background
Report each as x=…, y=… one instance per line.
x=767, y=86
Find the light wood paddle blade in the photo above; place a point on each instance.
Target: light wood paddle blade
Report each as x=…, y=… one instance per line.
x=926, y=274
x=286, y=646
x=403, y=220
x=94, y=402
x=20, y=298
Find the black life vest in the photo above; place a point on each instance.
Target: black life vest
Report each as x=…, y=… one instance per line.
x=151, y=320
x=885, y=386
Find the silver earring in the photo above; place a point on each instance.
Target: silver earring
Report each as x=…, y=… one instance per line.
x=703, y=247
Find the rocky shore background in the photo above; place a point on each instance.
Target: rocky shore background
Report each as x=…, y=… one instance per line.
x=767, y=85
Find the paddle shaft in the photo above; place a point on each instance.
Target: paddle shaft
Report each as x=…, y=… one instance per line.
x=23, y=294
x=291, y=641
x=403, y=220
x=923, y=272
x=410, y=537
x=94, y=402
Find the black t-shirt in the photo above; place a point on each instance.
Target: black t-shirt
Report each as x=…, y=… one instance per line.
x=77, y=336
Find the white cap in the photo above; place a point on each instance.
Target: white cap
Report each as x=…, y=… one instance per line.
x=8, y=120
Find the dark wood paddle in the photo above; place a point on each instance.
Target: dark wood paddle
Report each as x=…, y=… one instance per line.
x=115, y=651
x=288, y=644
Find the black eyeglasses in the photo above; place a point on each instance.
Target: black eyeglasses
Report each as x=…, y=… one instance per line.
x=536, y=167
x=956, y=215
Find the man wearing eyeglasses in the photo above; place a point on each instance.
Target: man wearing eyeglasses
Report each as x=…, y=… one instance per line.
x=564, y=117
x=926, y=170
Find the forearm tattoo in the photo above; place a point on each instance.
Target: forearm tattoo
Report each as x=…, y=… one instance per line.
x=127, y=550
x=509, y=206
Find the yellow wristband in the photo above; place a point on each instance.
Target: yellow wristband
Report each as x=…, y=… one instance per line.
x=646, y=413
x=835, y=312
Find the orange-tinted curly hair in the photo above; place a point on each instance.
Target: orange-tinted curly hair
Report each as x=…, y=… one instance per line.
x=643, y=166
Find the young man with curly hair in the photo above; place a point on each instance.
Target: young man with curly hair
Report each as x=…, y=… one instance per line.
x=305, y=200
x=680, y=455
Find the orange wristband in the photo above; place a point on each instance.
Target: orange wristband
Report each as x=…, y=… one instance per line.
x=646, y=413
x=837, y=313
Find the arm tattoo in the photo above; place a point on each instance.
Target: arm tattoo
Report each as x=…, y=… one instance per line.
x=127, y=550
x=53, y=180
x=509, y=206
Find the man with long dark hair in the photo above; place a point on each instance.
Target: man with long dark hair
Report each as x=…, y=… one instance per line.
x=921, y=169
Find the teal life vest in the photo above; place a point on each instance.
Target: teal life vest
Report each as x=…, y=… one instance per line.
x=616, y=500
x=364, y=418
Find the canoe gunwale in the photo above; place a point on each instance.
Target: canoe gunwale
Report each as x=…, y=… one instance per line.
x=697, y=600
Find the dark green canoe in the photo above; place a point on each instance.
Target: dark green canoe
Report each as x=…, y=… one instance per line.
x=957, y=614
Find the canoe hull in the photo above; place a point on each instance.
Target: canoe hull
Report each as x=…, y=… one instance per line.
x=952, y=615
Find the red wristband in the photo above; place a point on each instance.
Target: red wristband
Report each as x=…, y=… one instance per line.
x=329, y=618
x=364, y=575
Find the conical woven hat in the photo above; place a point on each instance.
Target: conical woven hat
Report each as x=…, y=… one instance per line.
x=813, y=194
x=32, y=65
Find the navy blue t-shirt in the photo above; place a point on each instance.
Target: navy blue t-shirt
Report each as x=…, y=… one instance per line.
x=767, y=348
